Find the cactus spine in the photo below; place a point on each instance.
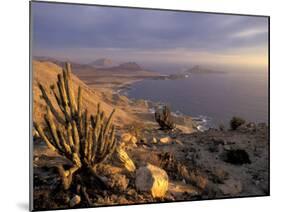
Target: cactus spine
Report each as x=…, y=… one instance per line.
x=71, y=132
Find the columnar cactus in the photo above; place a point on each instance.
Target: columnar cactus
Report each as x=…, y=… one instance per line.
x=164, y=119
x=86, y=140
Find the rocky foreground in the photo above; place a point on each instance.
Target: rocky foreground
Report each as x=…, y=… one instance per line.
x=154, y=166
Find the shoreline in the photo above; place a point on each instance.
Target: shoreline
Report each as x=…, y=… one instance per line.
x=203, y=119
x=200, y=121
x=142, y=109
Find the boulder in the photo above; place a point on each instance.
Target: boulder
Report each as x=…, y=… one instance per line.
x=154, y=140
x=128, y=139
x=75, y=201
x=166, y=140
x=152, y=179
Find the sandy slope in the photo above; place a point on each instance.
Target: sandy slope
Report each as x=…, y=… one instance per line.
x=46, y=73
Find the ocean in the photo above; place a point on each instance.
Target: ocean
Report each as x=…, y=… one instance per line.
x=211, y=98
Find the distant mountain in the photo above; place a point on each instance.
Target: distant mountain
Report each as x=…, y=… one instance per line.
x=199, y=70
x=128, y=69
x=129, y=66
x=102, y=63
x=85, y=70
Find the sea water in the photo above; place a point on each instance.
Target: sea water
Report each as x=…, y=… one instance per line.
x=211, y=98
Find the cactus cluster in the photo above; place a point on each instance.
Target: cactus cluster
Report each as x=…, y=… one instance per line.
x=164, y=119
x=86, y=140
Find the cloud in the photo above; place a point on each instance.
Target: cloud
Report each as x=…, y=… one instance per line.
x=147, y=34
x=250, y=33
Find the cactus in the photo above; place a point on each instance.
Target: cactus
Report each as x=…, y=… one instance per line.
x=86, y=140
x=164, y=119
x=124, y=158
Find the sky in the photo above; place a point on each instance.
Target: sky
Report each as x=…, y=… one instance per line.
x=85, y=33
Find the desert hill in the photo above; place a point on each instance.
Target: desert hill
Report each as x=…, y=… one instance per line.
x=46, y=73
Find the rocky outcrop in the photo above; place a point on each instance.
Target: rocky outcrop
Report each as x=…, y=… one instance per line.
x=152, y=179
x=128, y=139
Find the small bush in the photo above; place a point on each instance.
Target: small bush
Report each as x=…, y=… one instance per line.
x=236, y=122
